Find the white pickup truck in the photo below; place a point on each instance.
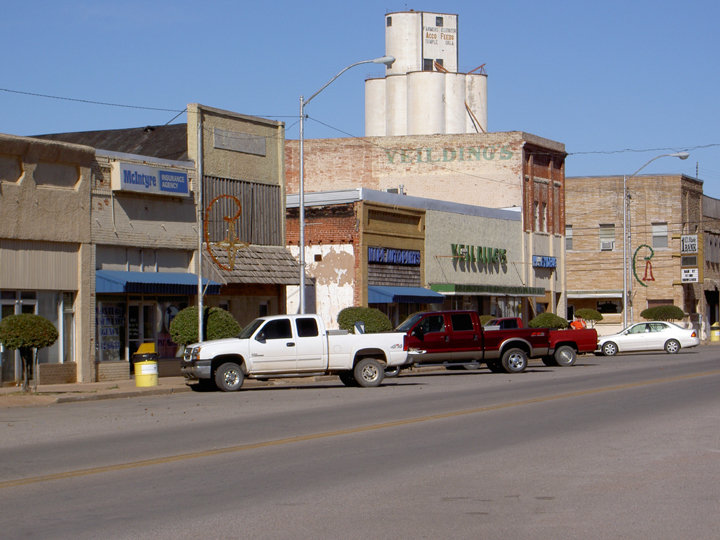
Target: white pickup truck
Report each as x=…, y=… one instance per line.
x=293, y=346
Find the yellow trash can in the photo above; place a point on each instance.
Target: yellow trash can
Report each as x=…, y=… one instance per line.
x=715, y=332
x=145, y=365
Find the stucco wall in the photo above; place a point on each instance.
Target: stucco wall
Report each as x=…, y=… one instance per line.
x=443, y=229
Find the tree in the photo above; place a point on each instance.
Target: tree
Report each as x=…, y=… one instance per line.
x=589, y=314
x=663, y=313
x=27, y=333
x=548, y=320
x=375, y=320
x=217, y=324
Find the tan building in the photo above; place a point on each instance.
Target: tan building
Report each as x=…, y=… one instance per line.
x=153, y=227
x=45, y=251
x=662, y=209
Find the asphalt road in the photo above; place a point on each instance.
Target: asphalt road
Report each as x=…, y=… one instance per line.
x=624, y=447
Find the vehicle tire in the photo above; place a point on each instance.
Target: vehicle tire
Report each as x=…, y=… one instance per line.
x=347, y=378
x=472, y=367
x=609, y=348
x=392, y=371
x=565, y=355
x=549, y=361
x=495, y=366
x=672, y=346
x=229, y=377
x=514, y=360
x=369, y=372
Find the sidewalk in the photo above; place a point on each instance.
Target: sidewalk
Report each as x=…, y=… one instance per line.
x=46, y=394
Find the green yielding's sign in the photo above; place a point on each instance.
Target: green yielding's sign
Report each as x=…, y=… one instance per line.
x=479, y=254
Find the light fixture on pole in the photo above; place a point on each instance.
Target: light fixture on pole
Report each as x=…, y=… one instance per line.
x=387, y=60
x=627, y=288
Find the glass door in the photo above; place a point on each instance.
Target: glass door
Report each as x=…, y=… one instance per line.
x=141, y=325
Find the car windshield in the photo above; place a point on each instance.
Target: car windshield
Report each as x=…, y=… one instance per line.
x=408, y=323
x=249, y=330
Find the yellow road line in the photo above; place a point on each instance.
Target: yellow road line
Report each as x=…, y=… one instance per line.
x=328, y=434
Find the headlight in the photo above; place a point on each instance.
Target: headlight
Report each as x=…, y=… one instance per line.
x=191, y=354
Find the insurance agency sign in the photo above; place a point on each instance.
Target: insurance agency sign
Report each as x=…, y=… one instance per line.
x=150, y=180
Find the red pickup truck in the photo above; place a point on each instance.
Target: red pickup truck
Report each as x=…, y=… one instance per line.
x=563, y=346
x=456, y=338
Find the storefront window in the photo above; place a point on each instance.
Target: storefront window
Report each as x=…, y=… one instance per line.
x=111, y=331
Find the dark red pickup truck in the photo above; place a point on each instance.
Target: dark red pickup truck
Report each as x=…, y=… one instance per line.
x=563, y=346
x=456, y=338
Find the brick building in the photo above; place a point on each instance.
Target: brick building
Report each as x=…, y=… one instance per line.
x=490, y=170
x=661, y=209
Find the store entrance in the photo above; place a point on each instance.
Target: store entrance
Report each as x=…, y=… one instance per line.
x=142, y=327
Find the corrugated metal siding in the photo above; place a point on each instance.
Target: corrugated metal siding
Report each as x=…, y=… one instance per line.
x=260, y=221
x=38, y=265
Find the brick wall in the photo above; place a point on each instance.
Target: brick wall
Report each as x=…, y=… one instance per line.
x=591, y=201
x=112, y=371
x=57, y=373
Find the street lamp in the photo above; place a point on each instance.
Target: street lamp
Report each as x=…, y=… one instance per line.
x=387, y=60
x=627, y=289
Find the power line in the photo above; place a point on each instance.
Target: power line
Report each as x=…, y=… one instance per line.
x=91, y=102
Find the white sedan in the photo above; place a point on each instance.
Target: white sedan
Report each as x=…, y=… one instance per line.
x=649, y=336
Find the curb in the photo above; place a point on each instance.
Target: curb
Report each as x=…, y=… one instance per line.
x=127, y=394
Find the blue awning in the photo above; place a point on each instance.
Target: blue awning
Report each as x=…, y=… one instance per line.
x=404, y=295
x=116, y=281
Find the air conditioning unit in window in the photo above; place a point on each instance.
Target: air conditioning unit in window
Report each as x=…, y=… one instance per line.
x=607, y=245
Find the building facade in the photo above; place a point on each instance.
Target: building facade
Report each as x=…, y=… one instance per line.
x=173, y=212
x=46, y=263
x=492, y=170
x=400, y=254
x=664, y=266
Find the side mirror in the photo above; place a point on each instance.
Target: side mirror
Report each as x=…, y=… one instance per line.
x=418, y=333
x=260, y=337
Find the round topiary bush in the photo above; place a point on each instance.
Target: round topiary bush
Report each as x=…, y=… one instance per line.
x=217, y=324
x=663, y=313
x=374, y=319
x=589, y=314
x=548, y=320
x=27, y=332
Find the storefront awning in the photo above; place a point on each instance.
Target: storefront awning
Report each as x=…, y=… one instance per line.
x=117, y=281
x=404, y=295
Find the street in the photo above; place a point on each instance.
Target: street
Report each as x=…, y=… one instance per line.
x=621, y=447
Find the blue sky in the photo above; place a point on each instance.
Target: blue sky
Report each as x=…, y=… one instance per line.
x=617, y=82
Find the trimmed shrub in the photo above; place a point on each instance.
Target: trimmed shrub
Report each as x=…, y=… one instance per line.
x=217, y=324
x=27, y=333
x=663, y=313
x=484, y=319
x=589, y=314
x=548, y=320
x=374, y=319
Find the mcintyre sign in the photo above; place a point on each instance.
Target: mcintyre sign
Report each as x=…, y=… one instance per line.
x=491, y=152
x=149, y=180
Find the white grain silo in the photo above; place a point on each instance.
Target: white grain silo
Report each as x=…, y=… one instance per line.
x=423, y=92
